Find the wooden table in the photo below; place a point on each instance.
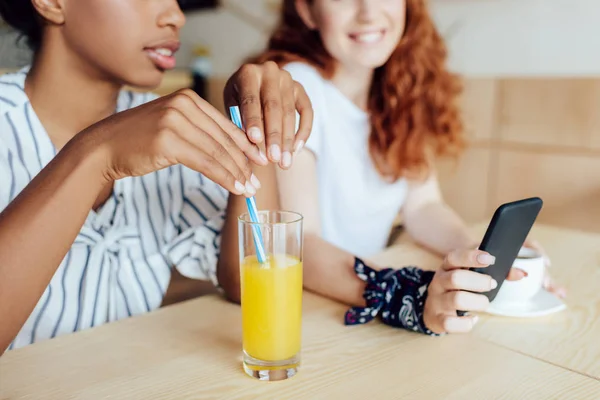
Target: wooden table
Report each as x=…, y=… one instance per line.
x=192, y=350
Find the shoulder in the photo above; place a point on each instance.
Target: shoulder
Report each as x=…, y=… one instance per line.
x=307, y=75
x=303, y=70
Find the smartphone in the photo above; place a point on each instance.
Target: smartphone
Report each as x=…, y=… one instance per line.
x=505, y=236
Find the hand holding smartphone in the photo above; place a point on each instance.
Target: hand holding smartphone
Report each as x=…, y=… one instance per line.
x=505, y=236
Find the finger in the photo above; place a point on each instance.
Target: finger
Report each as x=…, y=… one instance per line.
x=194, y=158
x=229, y=159
x=200, y=129
x=464, y=324
x=203, y=133
x=516, y=274
x=462, y=279
x=248, y=93
x=533, y=244
x=553, y=288
x=465, y=301
x=271, y=102
x=304, y=108
x=231, y=131
x=289, y=118
x=466, y=258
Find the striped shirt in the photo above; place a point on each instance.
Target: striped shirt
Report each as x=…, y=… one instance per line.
x=120, y=263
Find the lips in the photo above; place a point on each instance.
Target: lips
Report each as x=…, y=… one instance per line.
x=368, y=37
x=163, y=54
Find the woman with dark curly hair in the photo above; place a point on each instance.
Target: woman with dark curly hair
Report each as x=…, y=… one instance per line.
x=385, y=107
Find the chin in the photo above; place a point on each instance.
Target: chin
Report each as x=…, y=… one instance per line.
x=372, y=63
x=372, y=59
x=148, y=80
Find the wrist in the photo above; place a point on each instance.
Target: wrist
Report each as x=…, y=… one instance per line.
x=397, y=296
x=91, y=156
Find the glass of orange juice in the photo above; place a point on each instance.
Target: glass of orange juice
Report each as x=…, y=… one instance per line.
x=271, y=294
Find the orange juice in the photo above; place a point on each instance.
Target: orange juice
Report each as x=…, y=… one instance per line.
x=271, y=307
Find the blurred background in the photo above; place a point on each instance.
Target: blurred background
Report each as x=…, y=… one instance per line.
x=532, y=93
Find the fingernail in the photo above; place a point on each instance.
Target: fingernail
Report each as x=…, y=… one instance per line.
x=493, y=284
x=263, y=157
x=486, y=259
x=255, y=181
x=275, y=152
x=254, y=133
x=286, y=160
x=250, y=189
x=475, y=319
x=298, y=146
x=239, y=187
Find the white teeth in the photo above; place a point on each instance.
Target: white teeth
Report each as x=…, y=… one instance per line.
x=164, y=52
x=371, y=37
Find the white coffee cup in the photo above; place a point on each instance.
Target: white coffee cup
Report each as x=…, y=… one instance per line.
x=523, y=290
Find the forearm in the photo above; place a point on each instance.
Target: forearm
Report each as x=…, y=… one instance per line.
x=228, y=270
x=38, y=228
x=397, y=296
x=436, y=226
x=329, y=271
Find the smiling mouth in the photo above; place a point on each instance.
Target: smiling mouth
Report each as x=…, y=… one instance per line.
x=163, y=52
x=163, y=55
x=368, y=37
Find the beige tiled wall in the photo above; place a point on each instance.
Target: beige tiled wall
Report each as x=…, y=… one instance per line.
x=530, y=137
x=562, y=112
x=465, y=182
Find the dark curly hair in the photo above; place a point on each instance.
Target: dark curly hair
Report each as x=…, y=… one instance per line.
x=22, y=16
x=413, y=98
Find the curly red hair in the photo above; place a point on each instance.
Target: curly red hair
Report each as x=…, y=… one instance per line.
x=413, y=97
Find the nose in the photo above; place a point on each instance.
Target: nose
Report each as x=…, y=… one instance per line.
x=171, y=15
x=367, y=9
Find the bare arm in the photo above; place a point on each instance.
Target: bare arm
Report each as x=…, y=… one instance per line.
x=329, y=271
x=38, y=228
x=431, y=222
x=325, y=263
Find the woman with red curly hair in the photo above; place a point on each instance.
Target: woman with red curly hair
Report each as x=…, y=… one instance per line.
x=384, y=108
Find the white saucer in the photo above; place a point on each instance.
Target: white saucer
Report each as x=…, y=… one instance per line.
x=543, y=303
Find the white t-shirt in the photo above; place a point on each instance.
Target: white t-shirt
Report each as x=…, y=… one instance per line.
x=357, y=206
x=120, y=263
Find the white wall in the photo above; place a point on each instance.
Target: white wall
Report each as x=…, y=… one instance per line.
x=521, y=37
x=485, y=37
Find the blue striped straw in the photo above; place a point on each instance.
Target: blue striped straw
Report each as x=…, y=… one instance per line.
x=236, y=117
